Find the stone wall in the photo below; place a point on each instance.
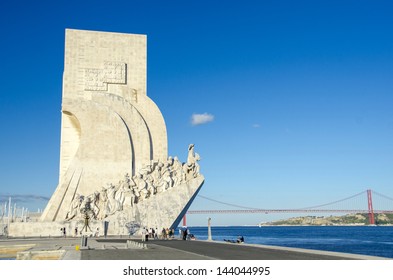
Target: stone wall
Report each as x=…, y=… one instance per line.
x=114, y=164
x=110, y=126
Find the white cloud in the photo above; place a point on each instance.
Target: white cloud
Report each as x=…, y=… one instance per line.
x=256, y=125
x=198, y=119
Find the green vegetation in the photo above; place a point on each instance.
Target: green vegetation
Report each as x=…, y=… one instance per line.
x=350, y=219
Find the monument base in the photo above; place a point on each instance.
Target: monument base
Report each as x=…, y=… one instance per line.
x=161, y=211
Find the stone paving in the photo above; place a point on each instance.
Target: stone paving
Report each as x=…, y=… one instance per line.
x=119, y=249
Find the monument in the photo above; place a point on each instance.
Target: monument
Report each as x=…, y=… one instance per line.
x=114, y=164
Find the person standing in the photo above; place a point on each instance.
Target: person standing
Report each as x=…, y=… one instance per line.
x=156, y=234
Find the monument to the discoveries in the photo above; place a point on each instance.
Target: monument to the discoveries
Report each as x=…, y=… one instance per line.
x=114, y=166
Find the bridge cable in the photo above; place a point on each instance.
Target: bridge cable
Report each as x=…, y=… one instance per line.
x=330, y=203
x=229, y=204
x=384, y=196
x=305, y=208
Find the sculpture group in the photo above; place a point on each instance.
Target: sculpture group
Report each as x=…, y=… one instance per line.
x=153, y=179
x=129, y=179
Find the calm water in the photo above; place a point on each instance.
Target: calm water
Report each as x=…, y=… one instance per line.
x=377, y=241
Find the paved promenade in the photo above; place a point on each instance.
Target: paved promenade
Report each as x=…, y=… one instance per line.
x=117, y=249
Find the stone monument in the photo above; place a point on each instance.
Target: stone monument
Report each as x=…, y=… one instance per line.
x=113, y=153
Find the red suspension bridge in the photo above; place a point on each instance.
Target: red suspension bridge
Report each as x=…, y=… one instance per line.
x=383, y=205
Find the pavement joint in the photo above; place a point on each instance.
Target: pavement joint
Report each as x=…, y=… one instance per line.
x=133, y=249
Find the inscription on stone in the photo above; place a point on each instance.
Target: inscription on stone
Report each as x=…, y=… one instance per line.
x=111, y=73
x=114, y=72
x=94, y=80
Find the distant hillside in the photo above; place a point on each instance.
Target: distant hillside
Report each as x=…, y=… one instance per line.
x=350, y=219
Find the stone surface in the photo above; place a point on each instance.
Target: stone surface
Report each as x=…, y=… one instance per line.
x=109, y=125
x=114, y=166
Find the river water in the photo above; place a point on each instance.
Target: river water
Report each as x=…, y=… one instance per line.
x=365, y=240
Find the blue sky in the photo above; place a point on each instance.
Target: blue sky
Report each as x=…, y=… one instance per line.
x=298, y=94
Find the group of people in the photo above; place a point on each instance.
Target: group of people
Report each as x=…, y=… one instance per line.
x=152, y=233
x=185, y=234
x=166, y=234
x=240, y=239
x=63, y=232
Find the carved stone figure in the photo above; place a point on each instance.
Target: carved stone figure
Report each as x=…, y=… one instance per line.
x=196, y=165
x=109, y=91
x=86, y=207
x=74, y=207
x=126, y=181
x=130, y=198
x=102, y=204
x=95, y=200
x=111, y=204
x=191, y=167
x=141, y=187
x=109, y=127
x=153, y=178
x=151, y=189
x=167, y=176
x=177, y=173
x=191, y=155
x=120, y=196
x=159, y=179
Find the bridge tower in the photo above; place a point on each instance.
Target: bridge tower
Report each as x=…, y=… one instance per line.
x=370, y=208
